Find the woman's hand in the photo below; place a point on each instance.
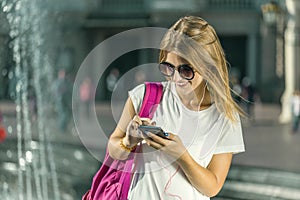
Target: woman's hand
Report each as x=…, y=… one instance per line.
x=173, y=146
x=133, y=134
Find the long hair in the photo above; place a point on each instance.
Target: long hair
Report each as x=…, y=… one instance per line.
x=193, y=39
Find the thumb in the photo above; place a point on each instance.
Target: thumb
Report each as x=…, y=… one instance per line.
x=153, y=123
x=137, y=119
x=145, y=121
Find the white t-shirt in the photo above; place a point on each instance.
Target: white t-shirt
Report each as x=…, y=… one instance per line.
x=204, y=133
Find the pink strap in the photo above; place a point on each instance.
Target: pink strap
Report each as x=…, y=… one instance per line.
x=152, y=97
x=125, y=178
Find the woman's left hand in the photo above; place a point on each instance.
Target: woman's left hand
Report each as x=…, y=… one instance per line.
x=173, y=146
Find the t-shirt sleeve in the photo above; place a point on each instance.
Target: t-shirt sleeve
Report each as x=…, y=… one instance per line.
x=136, y=95
x=231, y=139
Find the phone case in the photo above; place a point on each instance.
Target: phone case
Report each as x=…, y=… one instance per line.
x=153, y=129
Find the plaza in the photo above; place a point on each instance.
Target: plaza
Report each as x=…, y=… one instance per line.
x=60, y=58
x=269, y=169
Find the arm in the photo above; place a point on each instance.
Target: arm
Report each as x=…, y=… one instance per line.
x=114, y=149
x=126, y=131
x=208, y=181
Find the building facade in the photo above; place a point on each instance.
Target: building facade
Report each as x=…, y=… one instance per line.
x=249, y=43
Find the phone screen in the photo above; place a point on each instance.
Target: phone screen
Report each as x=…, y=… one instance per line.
x=153, y=129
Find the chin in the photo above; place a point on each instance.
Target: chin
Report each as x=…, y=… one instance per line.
x=186, y=89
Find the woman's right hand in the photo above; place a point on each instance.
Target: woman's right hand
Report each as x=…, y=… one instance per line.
x=133, y=133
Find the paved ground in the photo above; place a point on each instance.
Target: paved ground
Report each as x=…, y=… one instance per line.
x=268, y=143
x=270, y=148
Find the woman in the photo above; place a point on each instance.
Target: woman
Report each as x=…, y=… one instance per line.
x=196, y=110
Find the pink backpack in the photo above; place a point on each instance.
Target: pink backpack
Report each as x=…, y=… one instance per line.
x=112, y=181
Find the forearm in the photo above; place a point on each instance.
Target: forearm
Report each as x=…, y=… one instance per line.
x=121, y=144
x=115, y=150
x=201, y=178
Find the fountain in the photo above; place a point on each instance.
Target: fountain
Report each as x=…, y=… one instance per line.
x=35, y=165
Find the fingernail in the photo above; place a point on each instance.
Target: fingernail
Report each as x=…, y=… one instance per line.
x=166, y=134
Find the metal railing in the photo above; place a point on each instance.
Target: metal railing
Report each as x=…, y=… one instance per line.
x=231, y=4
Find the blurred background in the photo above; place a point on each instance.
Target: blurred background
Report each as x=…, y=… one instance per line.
x=43, y=43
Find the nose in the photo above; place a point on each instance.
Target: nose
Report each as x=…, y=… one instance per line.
x=176, y=76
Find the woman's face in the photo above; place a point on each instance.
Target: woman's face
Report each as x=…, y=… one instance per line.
x=183, y=86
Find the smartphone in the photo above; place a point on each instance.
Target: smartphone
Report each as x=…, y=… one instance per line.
x=155, y=130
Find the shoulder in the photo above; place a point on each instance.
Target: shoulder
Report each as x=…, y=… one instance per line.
x=137, y=94
x=137, y=90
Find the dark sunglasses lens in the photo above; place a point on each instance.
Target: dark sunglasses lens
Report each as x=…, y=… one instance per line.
x=166, y=69
x=186, y=72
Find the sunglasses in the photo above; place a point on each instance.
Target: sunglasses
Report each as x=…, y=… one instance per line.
x=185, y=71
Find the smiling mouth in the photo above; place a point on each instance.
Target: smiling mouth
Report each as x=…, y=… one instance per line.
x=181, y=84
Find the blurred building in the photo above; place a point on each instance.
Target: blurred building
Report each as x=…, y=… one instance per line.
x=250, y=43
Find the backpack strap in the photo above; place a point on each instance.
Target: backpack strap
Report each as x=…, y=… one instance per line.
x=152, y=97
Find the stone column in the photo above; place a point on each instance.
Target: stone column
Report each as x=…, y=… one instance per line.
x=251, y=62
x=292, y=58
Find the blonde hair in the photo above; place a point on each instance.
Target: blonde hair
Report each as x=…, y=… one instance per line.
x=193, y=39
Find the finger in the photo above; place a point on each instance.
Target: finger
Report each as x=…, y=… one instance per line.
x=141, y=134
x=153, y=144
x=146, y=121
x=158, y=139
x=133, y=126
x=137, y=119
x=132, y=129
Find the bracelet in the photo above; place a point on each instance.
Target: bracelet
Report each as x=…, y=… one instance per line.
x=128, y=149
